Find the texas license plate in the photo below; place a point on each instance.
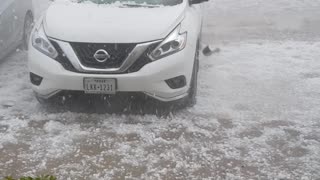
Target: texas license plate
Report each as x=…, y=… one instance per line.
x=99, y=86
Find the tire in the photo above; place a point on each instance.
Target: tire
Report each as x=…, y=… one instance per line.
x=193, y=91
x=27, y=28
x=191, y=99
x=43, y=101
x=54, y=100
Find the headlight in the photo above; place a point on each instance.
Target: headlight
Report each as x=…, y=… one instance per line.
x=174, y=43
x=41, y=43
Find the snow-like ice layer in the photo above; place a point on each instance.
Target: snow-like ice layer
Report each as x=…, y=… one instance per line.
x=262, y=19
x=76, y=22
x=257, y=115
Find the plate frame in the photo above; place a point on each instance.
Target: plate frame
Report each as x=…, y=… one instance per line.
x=115, y=80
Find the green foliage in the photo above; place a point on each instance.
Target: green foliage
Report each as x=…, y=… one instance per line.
x=47, y=177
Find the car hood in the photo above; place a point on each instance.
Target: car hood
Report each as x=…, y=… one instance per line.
x=75, y=22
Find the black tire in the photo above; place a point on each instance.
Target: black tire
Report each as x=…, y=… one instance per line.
x=28, y=25
x=54, y=102
x=191, y=99
x=43, y=101
x=192, y=96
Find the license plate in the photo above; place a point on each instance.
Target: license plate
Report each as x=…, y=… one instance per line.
x=99, y=86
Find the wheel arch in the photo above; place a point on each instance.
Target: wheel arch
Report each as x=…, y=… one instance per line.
x=29, y=12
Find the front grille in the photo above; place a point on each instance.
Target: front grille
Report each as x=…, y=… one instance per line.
x=139, y=63
x=118, y=53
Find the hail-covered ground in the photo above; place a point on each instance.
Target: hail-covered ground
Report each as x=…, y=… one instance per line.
x=257, y=117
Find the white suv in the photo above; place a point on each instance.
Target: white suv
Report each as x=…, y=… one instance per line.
x=112, y=46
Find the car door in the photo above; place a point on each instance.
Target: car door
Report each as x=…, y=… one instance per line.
x=3, y=27
x=6, y=25
x=16, y=21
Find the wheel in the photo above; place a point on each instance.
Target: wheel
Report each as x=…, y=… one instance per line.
x=54, y=100
x=42, y=100
x=57, y=100
x=192, y=96
x=28, y=25
x=191, y=99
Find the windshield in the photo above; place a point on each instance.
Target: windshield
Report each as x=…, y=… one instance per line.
x=136, y=2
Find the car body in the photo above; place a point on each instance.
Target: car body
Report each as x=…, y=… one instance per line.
x=110, y=48
x=15, y=18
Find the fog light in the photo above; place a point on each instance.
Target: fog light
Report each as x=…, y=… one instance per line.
x=177, y=82
x=35, y=79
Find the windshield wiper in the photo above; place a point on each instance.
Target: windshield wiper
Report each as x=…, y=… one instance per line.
x=140, y=5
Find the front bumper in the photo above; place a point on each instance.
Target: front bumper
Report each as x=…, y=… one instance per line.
x=150, y=79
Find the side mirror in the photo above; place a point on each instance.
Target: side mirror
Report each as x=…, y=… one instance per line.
x=197, y=1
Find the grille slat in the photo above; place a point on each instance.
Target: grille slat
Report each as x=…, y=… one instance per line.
x=118, y=53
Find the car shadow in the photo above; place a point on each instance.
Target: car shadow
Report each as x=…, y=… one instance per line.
x=124, y=104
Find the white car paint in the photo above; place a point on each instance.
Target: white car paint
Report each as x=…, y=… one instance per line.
x=12, y=18
x=109, y=24
x=66, y=23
